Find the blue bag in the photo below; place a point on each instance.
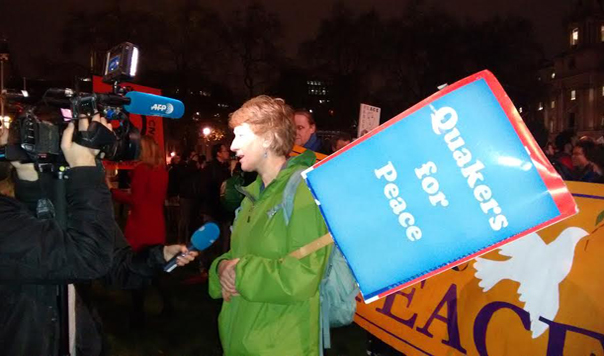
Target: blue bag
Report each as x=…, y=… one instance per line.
x=338, y=287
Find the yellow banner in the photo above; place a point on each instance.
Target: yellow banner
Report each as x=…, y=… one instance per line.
x=542, y=294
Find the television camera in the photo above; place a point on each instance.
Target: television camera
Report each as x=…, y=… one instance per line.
x=36, y=134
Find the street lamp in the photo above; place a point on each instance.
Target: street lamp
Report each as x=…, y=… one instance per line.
x=206, y=131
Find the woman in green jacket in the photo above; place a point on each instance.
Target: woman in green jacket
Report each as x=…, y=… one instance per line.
x=271, y=300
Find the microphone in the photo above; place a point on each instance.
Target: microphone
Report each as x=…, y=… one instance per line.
x=22, y=96
x=203, y=238
x=112, y=99
x=62, y=92
x=154, y=105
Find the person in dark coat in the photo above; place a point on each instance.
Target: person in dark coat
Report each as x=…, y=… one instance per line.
x=190, y=194
x=175, y=172
x=586, y=171
x=37, y=255
x=214, y=174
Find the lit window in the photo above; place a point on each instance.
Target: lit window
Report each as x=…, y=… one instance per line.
x=551, y=125
x=573, y=95
x=574, y=36
x=552, y=105
x=540, y=106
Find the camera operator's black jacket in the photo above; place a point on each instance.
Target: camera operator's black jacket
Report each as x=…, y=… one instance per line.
x=36, y=255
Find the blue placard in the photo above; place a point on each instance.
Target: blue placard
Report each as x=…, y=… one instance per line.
x=445, y=182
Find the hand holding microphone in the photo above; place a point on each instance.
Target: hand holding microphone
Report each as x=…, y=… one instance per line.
x=203, y=238
x=180, y=254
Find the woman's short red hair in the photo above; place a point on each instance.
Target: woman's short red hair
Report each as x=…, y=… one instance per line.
x=269, y=117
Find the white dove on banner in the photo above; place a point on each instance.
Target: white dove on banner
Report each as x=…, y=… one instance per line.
x=539, y=268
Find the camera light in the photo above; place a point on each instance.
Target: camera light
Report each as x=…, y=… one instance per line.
x=134, y=64
x=206, y=131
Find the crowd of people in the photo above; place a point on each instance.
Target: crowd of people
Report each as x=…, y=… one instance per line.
x=207, y=190
x=577, y=159
x=271, y=300
x=272, y=295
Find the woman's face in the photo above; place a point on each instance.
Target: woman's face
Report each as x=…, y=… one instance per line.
x=248, y=147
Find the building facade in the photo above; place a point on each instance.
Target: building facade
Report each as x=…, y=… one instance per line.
x=573, y=97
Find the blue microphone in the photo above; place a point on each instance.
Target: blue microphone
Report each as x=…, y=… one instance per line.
x=203, y=238
x=154, y=105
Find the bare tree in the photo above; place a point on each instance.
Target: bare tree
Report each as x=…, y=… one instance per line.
x=253, y=35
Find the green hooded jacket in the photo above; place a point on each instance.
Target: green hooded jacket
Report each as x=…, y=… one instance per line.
x=277, y=312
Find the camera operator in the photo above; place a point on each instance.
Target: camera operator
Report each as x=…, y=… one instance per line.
x=37, y=255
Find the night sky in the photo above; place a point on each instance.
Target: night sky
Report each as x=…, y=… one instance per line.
x=33, y=27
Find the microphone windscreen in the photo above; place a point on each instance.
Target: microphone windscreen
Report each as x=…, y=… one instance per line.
x=154, y=105
x=205, y=236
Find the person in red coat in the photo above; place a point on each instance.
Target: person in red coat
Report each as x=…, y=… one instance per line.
x=146, y=223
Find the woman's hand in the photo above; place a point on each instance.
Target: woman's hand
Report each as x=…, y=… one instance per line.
x=228, y=277
x=173, y=250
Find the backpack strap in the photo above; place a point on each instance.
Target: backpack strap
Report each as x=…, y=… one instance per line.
x=289, y=193
x=287, y=204
x=312, y=246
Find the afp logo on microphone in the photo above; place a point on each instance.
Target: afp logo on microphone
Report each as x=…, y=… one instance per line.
x=166, y=109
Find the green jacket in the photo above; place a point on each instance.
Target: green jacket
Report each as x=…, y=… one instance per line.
x=277, y=312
